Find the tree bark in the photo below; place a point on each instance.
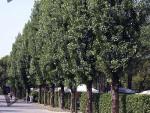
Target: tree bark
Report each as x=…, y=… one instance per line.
x=89, y=96
x=62, y=102
x=129, y=81
x=40, y=94
x=14, y=90
x=73, y=100
x=141, y=86
x=102, y=83
x=20, y=91
x=28, y=93
x=114, y=93
x=45, y=95
x=52, y=95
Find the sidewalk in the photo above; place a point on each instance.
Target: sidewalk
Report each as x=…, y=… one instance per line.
x=21, y=107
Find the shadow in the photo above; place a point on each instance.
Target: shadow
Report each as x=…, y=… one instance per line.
x=21, y=107
x=8, y=100
x=12, y=101
x=14, y=111
x=2, y=101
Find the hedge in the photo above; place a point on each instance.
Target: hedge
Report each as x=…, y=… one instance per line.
x=83, y=103
x=105, y=103
x=136, y=104
x=67, y=97
x=67, y=100
x=128, y=103
x=35, y=96
x=102, y=103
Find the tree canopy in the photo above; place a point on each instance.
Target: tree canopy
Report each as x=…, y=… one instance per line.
x=69, y=42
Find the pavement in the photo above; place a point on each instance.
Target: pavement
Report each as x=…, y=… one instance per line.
x=22, y=107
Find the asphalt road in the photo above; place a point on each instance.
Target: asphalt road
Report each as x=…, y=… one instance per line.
x=21, y=107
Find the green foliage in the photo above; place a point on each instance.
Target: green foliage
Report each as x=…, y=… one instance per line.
x=79, y=35
x=67, y=100
x=70, y=41
x=105, y=103
x=83, y=103
x=35, y=96
x=138, y=104
x=128, y=103
x=95, y=105
x=119, y=34
x=4, y=66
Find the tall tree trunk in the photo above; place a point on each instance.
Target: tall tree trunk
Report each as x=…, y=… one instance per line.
x=20, y=92
x=52, y=95
x=76, y=109
x=129, y=81
x=114, y=93
x=40, y=95
x=102, y=83
x=73, y=100
x=62, y=102
x=141, y=85
x=27, y=96
x=45, y=96
x=28, y=91
x=89, y=96
x=15, y=94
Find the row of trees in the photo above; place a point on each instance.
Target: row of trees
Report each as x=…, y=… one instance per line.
x=4, y=62
x=68, y=42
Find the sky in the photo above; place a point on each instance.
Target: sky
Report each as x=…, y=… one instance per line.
x=13, y=17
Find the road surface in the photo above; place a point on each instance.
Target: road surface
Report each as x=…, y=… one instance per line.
x=21, y=107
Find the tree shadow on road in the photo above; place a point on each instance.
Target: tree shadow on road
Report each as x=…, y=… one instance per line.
x=4, y=111
x=8, y=100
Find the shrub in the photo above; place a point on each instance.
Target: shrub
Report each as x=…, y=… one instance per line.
x=105, y=103
x=35, y=96
x=83, y=103
x=67, y=100
x=128, y=103
x=137, y=104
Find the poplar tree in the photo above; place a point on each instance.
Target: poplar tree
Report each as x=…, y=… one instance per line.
x=119, y=40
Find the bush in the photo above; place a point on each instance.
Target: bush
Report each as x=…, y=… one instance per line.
x=67, y=100
x=35, y=96
x=83, y=103
x=137, y=104
x=46, y=98
x=105, y=103
x=128, y=103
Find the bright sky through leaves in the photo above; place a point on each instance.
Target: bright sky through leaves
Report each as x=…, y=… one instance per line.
x=13, y=16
